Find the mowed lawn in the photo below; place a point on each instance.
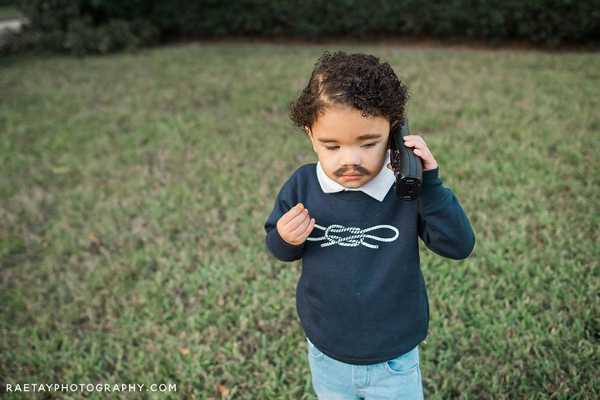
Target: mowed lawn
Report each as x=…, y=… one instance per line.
x=134, y=189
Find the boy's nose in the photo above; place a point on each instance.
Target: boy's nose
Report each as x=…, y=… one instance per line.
x=351, y=157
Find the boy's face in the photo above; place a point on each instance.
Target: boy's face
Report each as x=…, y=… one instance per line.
x=350, y=147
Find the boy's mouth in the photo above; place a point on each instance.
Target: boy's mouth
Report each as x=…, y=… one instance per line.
x=351, y=177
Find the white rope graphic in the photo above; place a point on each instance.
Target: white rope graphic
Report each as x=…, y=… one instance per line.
x=357, y=238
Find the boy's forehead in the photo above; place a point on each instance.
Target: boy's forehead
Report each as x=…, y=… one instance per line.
x=349, y=124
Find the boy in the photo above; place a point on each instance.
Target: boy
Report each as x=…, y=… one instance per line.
x=361, y=297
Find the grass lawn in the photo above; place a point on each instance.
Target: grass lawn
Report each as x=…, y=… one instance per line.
x=134, y=189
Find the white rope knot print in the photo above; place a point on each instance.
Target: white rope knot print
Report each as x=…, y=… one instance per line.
x=356, y=237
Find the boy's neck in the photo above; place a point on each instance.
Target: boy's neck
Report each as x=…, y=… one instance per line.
x=377, y=188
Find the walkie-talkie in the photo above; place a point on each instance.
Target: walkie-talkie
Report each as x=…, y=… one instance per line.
x=407, y=167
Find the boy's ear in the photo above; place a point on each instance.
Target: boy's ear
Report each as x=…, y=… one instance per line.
x=393, y=124
x=310, y=135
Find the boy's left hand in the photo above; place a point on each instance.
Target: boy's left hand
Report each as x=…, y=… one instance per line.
x=421, y=150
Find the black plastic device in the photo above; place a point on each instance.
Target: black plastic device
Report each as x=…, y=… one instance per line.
x=407, y=167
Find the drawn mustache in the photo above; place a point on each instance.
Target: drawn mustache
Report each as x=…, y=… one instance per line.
x=354, y=170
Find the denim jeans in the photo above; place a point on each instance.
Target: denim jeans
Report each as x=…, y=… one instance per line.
x=396, y=379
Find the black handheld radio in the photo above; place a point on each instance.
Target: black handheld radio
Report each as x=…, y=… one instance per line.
x=407, y=167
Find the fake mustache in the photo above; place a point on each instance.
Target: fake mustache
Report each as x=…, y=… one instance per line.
x=354, y=170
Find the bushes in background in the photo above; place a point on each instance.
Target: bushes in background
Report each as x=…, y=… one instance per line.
x=99, y=26
x=79, y=26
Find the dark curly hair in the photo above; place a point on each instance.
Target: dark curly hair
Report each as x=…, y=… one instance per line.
x=357, y=80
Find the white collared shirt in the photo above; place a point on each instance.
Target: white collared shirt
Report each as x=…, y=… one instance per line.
x=377, y=187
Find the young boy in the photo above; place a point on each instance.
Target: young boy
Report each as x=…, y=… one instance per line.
x=361, y=298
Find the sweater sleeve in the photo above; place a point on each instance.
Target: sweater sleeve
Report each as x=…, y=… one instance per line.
x=443, y=225
x=278, y=247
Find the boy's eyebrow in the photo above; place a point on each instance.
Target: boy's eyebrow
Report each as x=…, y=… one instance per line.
x=361, y=137
x=369, y=136
x=323, y=140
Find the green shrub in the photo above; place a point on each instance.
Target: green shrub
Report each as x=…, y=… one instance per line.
x=81, y=27
x=99, y=26
x=83, y=37
x=540, y=21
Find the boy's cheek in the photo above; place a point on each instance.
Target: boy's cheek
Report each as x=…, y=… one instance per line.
x=328, y=169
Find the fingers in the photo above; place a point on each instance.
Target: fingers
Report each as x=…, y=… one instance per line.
x=303, y=224
x=414, y=141
x=421, y=150
x=295, y=226
x=417, y=142
x=302, y=232
x=293, y=213
x=310, y=228
x=297, y=216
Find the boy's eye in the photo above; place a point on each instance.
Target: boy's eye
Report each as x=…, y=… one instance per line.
x=369, y=145
x=332, y=147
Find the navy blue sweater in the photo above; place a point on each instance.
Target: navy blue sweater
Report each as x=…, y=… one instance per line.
x=361, y=297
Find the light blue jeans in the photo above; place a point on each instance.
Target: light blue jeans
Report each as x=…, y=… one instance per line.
x=396, y=379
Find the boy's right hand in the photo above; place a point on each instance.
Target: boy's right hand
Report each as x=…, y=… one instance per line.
x=295, y=225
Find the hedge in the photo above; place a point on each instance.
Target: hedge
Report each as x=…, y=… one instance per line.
x=98, y=26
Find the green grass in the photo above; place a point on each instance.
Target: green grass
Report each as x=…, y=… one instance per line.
x=134, y=189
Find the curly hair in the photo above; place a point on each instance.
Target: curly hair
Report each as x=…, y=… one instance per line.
x=357, y=80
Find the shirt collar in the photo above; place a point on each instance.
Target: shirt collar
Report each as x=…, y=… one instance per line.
x=377, y=187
